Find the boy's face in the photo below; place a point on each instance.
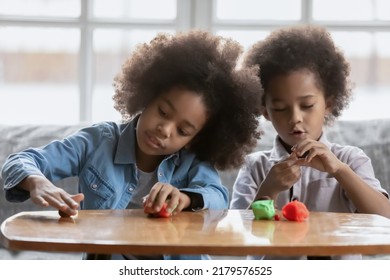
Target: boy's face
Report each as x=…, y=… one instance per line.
x=296, y=106
x=170, y=122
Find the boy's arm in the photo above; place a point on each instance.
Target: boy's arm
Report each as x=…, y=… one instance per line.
x=365, y=198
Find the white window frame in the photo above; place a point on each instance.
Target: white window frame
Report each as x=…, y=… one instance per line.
x=191, y=14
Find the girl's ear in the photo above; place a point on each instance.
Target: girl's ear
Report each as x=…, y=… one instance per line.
x=265, y=112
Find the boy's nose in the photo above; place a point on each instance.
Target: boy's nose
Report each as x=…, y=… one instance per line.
x=296, y=116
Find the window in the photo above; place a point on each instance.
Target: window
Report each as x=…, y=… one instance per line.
x=60, y=57
x=361, y=30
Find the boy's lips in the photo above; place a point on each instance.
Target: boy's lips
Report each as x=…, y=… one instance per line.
x=297, y=133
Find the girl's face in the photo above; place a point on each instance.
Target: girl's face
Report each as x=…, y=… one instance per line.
x=296, y=106
x=170, y=122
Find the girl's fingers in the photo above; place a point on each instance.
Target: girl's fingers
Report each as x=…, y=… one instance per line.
x=160, y=194
x=40, y=201
x=73, y=201
x=78, y=197
x=154, y=194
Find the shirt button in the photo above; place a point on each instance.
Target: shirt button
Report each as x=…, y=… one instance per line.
x=159, y=174
x=131, y=189
x=94, y=186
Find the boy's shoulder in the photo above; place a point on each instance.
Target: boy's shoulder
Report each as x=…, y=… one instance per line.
x=259, y=157
x=349, y=152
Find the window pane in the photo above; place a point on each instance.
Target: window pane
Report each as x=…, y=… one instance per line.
x=382, y=9
x=41, y=8
x=258, y=9
x=370, y=63
x=38, y=75
x=341, y=10
x=135, y=9
x=370, y=72
x=245, y=38
x=111, y=48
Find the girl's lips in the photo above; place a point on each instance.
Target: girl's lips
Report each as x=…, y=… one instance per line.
x=153, y=141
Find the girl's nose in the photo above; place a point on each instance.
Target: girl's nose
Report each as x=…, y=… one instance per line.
x=164, y=130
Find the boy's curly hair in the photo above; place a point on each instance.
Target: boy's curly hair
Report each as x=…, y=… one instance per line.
x=206, y=64
x=304, y=47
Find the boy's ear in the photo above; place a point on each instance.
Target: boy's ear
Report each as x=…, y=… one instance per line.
x=264, y=111
x=329, y=106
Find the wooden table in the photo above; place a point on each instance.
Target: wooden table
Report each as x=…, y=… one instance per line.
x=225, y=232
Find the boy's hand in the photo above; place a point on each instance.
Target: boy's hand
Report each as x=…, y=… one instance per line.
x=281, y=177
x=44, y=193
x=317, y=156
x=164, y=193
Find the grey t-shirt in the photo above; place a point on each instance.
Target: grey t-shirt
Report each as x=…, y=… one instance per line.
x=146, y=181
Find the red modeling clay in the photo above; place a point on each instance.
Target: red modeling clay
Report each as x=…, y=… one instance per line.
x=163, y=211
x=295, y=211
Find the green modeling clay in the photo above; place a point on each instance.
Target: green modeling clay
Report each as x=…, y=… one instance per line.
x=263, y=209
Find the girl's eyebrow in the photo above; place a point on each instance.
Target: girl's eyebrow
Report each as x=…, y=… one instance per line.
x=186, y=122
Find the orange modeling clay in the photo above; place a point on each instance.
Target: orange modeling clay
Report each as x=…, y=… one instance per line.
x=295, y=211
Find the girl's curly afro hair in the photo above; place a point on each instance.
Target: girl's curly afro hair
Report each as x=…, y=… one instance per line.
x=304, y=47
x=206, y=64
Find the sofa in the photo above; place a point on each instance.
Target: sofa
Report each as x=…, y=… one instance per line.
x=373, y=136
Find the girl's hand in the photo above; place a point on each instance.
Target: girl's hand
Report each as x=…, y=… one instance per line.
x=281, y=177
x=165, y=193
x=317, y=155
x=44, y=193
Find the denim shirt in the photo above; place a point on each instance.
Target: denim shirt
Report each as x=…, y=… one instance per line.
x=102, y=156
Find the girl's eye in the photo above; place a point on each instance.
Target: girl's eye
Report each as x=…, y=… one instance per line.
x=279, y=109
x=182, y=132
x=161, y=112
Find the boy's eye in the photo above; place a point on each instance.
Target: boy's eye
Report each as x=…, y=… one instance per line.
x=307, y=106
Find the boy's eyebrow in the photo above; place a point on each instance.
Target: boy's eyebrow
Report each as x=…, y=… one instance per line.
x=307, y=96
x=276, y=99
x=187, y=122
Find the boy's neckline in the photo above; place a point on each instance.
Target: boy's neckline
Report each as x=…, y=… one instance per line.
x=286, y=146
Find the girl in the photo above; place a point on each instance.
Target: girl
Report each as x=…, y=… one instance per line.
x=188, y=111
x=306, y=86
